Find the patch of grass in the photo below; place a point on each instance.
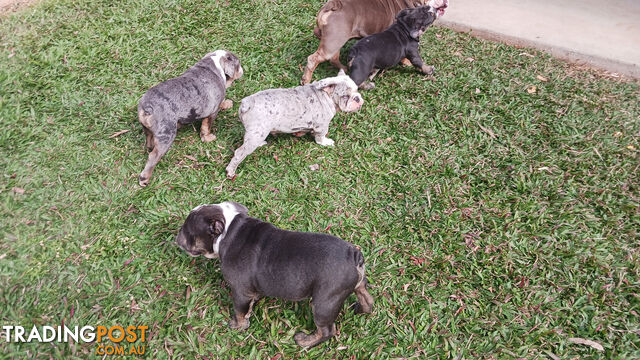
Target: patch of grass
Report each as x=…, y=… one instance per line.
x=495, y=222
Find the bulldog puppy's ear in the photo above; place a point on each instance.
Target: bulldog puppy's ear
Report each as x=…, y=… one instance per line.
x=404, y=13
x=216, y=227
x=329, y=89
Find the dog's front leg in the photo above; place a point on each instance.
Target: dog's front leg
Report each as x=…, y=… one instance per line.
x=321, y=137
x=416, y=60
x=205, y=129
x=227, y=104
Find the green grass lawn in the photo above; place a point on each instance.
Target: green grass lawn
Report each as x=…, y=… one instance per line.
x=495, y=222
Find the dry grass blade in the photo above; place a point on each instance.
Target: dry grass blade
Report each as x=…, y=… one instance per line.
x=581, y=341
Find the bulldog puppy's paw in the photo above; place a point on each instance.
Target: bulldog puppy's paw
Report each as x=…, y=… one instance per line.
x=208, y=138
x=428, y=70
x=143, y=180
x=305, y=340
x=227, y=104
x=240, y=326
x=325, y=142
x=367, y=85
x=230, y=172
x=405, y=62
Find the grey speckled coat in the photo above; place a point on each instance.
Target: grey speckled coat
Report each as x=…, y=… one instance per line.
x=196, y=94
x=307, y=108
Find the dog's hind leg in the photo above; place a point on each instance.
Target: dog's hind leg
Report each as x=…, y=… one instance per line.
x=149, y=140
x=360, y=70
x=325, y=312
x=333, y=38
x=365, y=300
x=335, y=61
x=252, y=141
x=162, y=141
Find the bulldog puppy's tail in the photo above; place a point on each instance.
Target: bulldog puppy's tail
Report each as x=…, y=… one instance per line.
x=245, y=105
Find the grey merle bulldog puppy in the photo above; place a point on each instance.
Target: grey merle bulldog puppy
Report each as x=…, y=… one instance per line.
x=387, y=48
x=196, y=94
x=307, y=108
x=258, y=259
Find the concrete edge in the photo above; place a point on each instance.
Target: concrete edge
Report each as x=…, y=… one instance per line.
x=627, y=69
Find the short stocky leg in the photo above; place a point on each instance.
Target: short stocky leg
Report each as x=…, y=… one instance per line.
x=321, y=139
x=149, y=140
x=320, y=134
x=250, y=145
x=365, y=300
x=205, y=130
x=227, y=104
x=161, y=144
x=329, y=49
x=335, y=61
x=241, y=308
x=325, y=312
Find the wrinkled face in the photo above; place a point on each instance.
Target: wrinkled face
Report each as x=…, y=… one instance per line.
x=201, y=230
x=205, y=226
x=346, y=96
x=230, y=65
x=417, y=20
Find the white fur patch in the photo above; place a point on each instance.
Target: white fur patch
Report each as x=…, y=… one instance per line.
x=340, y=79
x=216, y=60
x=199, y=207
x=360, y=275
x=229, y=212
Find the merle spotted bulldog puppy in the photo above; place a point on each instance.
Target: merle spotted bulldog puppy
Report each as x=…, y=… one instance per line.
x=258, y=259
x=196, y=94
x=387, y=48
x=307, y=108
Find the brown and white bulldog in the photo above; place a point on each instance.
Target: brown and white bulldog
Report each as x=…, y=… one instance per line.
x=341, y=20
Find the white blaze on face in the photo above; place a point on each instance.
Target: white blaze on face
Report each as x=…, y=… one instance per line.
x=229, y=212
x=216, y=60
x=355, y=102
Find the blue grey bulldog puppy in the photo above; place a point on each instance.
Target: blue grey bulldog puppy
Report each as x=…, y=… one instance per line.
x=196, y=94
x=298, y=110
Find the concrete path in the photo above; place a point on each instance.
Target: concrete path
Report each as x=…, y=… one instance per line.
x=576, y=30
